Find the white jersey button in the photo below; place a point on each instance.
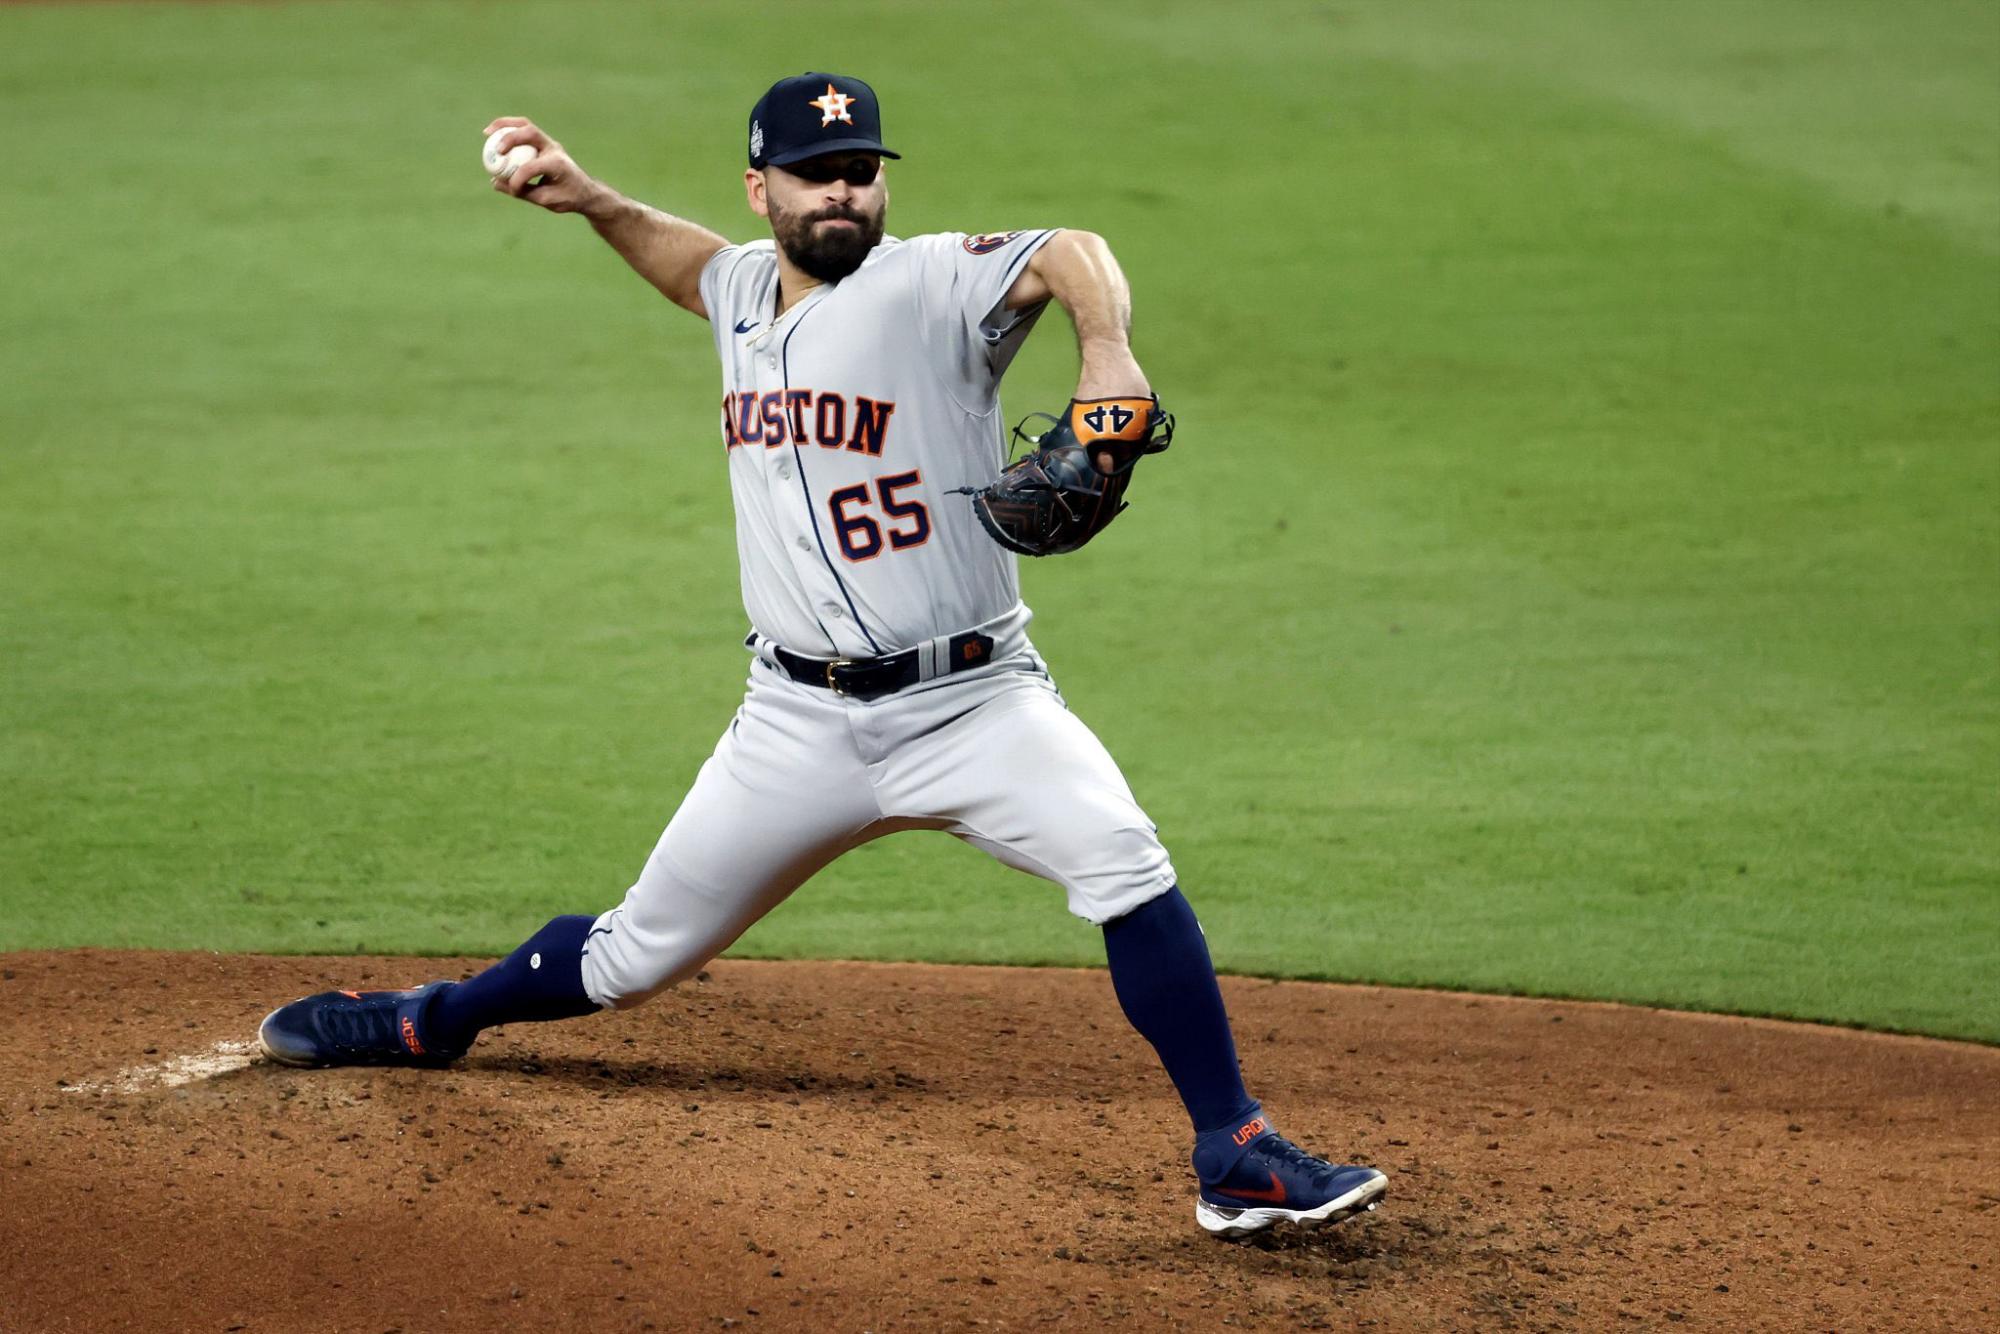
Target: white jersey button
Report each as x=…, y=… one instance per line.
x=832, y=610
x=805, y=543
x=785, y=470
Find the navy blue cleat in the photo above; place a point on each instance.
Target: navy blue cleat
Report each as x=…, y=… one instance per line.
x=354, y=1028
x=1253, y=1177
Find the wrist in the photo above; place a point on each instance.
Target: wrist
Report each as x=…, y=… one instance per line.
x=602, y=204
x=1112, y=346
x=1111, y=372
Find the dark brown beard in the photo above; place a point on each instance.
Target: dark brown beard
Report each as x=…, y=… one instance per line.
x=828, y=256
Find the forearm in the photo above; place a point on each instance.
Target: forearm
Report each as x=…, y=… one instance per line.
x=1079, y=271
x=666, y=251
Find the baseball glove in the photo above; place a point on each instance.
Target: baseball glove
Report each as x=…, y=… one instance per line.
x=1070, y=488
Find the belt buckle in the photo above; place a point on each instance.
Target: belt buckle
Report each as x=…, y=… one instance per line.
x=834, y=685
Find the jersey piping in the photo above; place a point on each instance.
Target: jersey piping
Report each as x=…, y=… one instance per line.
x=812, y=511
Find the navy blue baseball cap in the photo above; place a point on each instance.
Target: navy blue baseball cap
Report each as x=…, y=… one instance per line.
x=810, y=114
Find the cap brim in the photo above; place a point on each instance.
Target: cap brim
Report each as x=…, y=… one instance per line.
x=828, y=146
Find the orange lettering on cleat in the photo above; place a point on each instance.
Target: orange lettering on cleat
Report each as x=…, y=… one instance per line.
x=345, y=992
x=1250, y=1130
x=417, y=1048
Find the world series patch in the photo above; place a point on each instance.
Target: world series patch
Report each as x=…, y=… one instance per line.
x=988, y=242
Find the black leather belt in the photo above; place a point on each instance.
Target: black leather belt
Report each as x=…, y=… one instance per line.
x=870, y=678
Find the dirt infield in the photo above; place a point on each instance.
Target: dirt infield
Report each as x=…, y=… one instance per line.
x=856, y=1146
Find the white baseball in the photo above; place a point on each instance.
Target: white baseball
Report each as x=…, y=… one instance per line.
x=503, y=167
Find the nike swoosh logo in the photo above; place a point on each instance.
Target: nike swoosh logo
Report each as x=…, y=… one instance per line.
x=745, y=326
x=1275, y=1195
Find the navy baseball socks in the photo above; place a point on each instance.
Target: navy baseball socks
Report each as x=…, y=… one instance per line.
x=1166, y=986
x=540, y=981
x=434, y=1025
x=1251, y=1176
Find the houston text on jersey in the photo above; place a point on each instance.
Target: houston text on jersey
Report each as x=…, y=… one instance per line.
x=812, y=417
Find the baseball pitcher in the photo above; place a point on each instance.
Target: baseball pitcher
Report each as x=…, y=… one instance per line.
x=892, y=683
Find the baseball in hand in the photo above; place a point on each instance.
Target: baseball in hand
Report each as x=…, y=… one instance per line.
x=500, y=166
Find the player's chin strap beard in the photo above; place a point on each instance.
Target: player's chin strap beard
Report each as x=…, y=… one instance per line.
x=828, y=258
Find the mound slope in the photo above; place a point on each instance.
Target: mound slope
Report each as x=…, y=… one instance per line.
x=840, y=1146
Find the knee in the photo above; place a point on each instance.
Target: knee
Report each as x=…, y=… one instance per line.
x=625, y=967
x=1121, y=874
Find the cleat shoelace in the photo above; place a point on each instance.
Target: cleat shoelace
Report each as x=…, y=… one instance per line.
x=1289, y=1155
x=361, y=1028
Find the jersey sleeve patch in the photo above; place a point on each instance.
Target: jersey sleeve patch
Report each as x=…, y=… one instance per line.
x=988, y=242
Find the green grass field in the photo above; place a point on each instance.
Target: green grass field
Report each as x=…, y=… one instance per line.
x=1578, y=572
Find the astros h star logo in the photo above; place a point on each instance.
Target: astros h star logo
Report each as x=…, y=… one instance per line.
x=832, y=106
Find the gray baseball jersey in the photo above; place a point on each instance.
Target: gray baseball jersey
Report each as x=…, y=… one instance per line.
x=849, y=420
x=847, y=423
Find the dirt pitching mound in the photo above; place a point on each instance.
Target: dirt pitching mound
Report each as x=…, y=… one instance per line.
x=857, y=1146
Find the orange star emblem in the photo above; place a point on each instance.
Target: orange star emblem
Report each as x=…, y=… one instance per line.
x=832, y=106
